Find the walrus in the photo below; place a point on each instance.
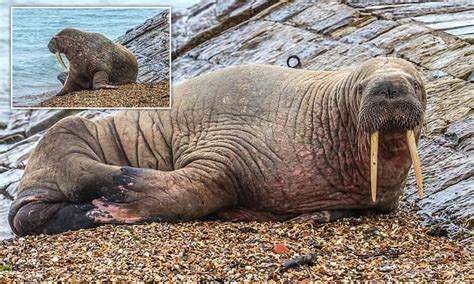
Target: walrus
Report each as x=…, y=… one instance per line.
x=95, y=62
x=245, y=143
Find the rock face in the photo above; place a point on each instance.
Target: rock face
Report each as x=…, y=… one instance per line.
x=150, y=43
x=213, y=35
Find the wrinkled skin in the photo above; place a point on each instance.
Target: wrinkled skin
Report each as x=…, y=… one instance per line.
x=244, y=143
x=95, y=62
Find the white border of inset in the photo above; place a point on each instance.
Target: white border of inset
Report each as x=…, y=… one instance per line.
x=170, y=80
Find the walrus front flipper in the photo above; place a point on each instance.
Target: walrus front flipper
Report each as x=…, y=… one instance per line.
x=101, y=80
x=144, y=195
x=62, y=77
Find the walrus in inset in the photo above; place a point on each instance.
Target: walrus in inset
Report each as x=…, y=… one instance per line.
x=95, y=62
x=250, y=142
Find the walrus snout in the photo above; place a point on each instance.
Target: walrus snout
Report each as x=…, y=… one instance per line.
x=391, y=103
x=53, y=45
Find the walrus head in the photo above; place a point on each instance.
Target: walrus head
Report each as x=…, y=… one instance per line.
x=392, y=103
x=63, y=42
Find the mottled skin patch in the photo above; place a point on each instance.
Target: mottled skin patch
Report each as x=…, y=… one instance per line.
x=95, y=62
x=245, y=143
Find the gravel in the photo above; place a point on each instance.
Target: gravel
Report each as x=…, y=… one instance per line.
x=150, y=95
x=382, y=247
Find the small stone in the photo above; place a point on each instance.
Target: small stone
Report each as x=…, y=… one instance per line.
x=280, y=248
x=386, y=268
x=55, y=259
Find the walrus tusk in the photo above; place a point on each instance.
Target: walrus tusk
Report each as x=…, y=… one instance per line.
x=374, y=149
x=416, y=161
x=60, y=59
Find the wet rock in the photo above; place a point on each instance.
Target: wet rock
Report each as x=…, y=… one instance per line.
x=43, y=119
x=343, y=56
x=398, y=36
x=260, y=42
x=15, y=130
x=437, y=231
x=370, y=31
x=458, y=24
x=459, y=135
x=398, y=11
x=454, y=56
x=5, y=231
x=471, y=77
x=449, y=100
x=8, y=182
x=15, y=155
x=209, y=19
x=286, y=12
x=150, y=42
x=325, y=18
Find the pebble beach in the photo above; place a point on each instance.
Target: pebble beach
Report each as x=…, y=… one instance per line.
x=382, y=247
x=150, y=95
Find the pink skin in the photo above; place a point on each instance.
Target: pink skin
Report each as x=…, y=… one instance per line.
x=117, y=213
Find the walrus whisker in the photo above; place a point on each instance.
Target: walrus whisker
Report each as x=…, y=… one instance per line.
x=416, y=161
x=374, y=148
x=60, y=60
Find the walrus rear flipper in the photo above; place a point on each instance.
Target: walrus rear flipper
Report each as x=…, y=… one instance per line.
x=70, y=218
x=101, y=81
x=60, y=181
x=40, y=211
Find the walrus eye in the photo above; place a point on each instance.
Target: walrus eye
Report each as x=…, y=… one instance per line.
x=416, y=86
x=374, y=144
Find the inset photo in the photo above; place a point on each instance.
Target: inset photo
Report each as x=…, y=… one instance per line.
x=91, y=57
